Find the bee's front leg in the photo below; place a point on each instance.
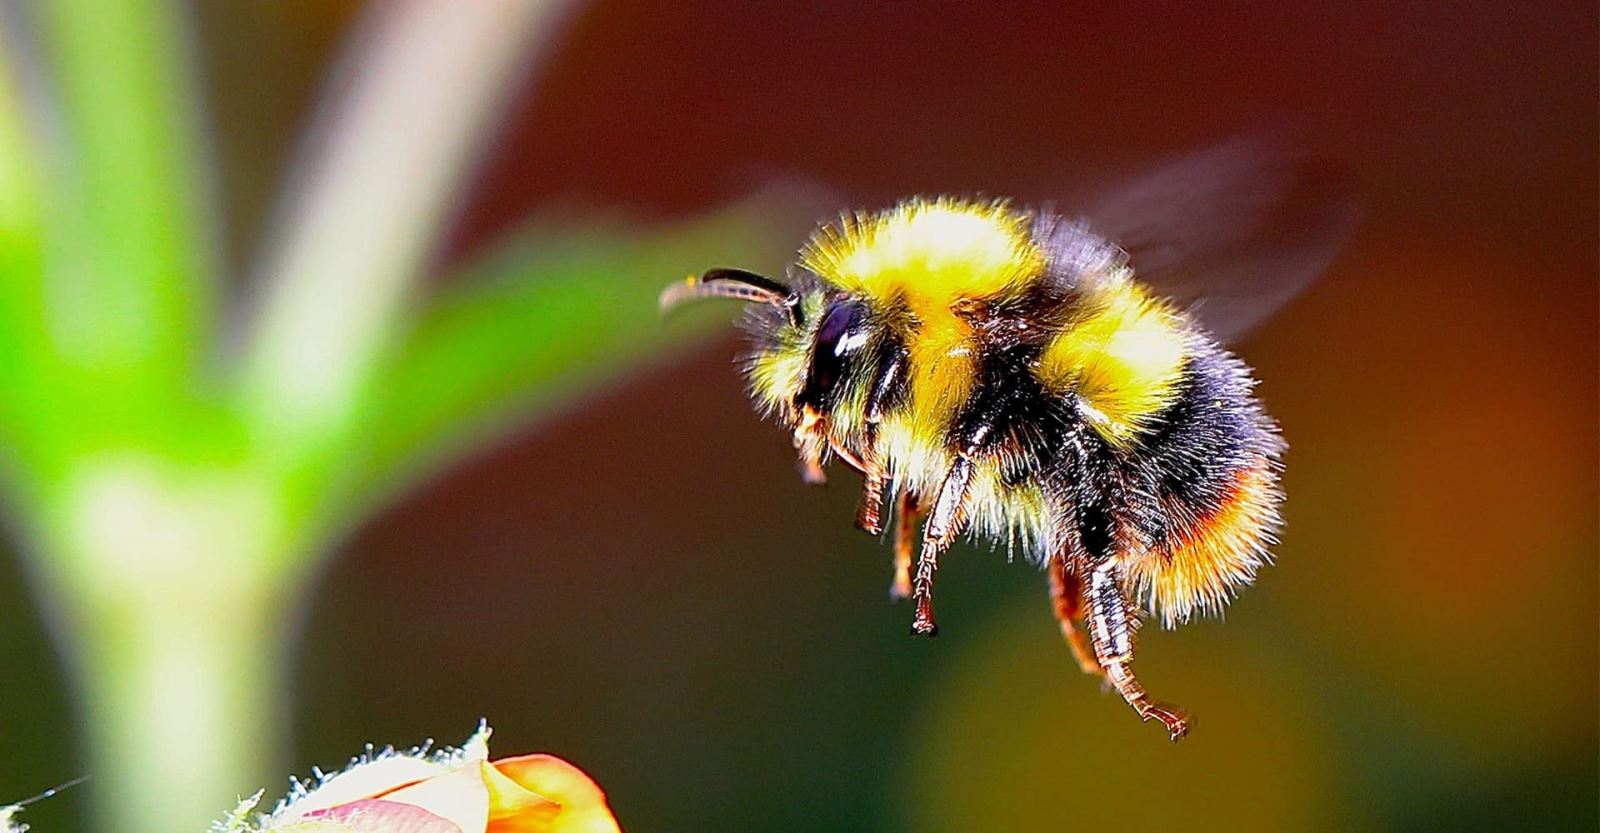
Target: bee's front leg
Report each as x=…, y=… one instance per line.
x=888, y=388
x=907, y=514
x=869, y=509
x=1111, y=630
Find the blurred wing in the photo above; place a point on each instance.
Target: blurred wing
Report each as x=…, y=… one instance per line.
x=1231, y=233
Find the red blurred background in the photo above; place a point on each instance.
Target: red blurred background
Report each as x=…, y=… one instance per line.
x=643, y=585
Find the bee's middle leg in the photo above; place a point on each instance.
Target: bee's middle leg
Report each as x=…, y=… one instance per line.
x=1066, y=597
x=975, y=438
x=945, y=521
x=1111, y=630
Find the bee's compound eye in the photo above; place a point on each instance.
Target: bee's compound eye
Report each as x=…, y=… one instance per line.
x=840, y=335
x=839, y=323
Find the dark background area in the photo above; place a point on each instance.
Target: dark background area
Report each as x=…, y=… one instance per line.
x=643, y=586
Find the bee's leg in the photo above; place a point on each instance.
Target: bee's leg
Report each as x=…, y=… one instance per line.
x=1066, y=596
x=944, y=523
x=869, y=509
x=974, y=436
x=888, y=388
x=1111, y=629
x=811, y=441
x=907, y=514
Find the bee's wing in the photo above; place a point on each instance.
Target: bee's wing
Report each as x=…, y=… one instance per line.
x=1231, y=233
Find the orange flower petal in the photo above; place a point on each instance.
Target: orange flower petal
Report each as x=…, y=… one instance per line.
x=582, y=803
x=372, y=816
x=514, y=807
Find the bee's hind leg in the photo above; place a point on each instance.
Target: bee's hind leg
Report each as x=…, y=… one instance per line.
x=1066, y=597
x=1111, y=631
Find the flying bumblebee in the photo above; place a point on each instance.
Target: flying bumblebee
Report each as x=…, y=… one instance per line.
x=1055, y=382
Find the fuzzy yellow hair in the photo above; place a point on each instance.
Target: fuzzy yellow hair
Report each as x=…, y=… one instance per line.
x=930, y=253
x=1123, y=359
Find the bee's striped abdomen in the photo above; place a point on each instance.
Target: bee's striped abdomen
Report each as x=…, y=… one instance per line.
x=1212, y=468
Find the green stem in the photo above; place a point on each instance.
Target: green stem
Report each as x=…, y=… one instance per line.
x=182, y=713
x=386, y=162
x=162, y=585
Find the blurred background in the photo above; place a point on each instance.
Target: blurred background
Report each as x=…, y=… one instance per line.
x=641, y=584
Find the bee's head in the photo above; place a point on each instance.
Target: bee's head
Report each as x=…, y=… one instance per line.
x=806, y=356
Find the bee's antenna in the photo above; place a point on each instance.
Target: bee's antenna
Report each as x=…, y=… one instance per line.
x=732, y=283
x=53, y=791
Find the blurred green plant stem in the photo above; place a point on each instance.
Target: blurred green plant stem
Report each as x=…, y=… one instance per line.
x=176, y=493
x=173, y=582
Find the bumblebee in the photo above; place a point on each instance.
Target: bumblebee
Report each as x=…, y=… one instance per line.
x=1010, y=374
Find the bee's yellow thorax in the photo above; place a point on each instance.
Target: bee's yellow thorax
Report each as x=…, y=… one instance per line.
x=1123, y=358
x=929, y=253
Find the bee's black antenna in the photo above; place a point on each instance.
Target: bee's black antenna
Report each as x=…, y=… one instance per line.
x=53, y=791
x=733, y=283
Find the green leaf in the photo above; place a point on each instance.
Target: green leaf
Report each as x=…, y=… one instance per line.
x=19, y=196
x=24, y=412
x=131, y=260
x=545, y=319
x=393, y=147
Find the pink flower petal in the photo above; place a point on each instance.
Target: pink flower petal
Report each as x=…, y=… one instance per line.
x=373, y=816
x=460, y=796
